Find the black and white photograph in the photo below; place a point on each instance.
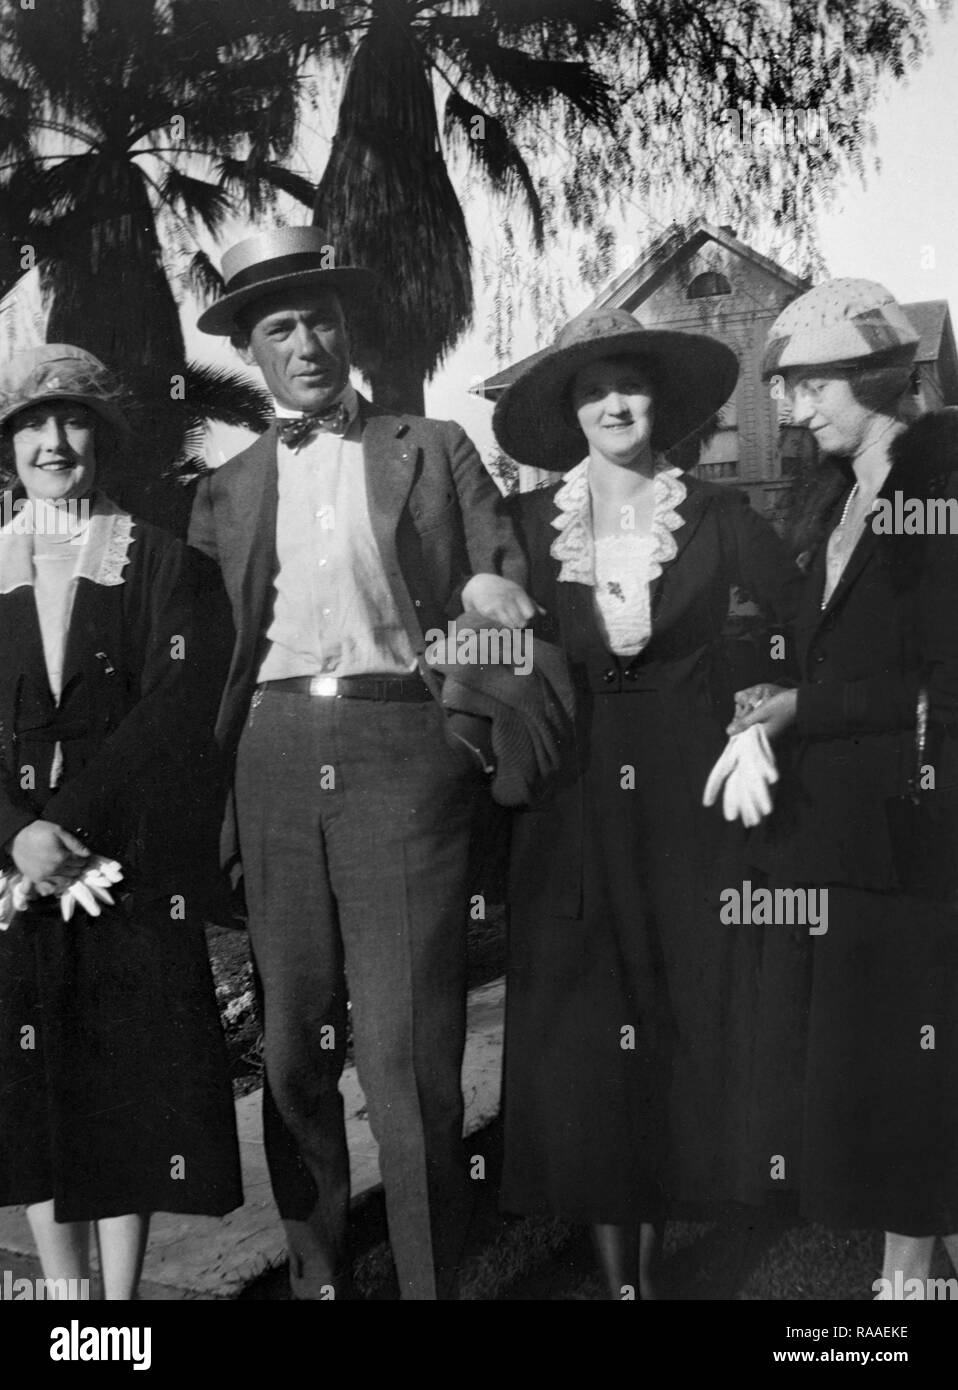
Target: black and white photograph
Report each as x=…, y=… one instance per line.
x=479, y=666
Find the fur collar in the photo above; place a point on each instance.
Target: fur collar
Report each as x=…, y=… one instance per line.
x=923, y=457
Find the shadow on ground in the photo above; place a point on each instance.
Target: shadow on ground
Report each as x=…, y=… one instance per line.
x=764, y=1254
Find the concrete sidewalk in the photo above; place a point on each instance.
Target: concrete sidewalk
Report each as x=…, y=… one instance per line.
x=209, y=1257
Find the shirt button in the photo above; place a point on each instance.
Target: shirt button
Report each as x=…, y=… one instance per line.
x=325, y=612
x=608, y=676
x=323, y=560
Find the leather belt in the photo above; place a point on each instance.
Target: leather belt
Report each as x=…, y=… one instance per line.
x=409, y=689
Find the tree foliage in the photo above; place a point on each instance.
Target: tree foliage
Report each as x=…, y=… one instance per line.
x=583, y=118
x=125, y=125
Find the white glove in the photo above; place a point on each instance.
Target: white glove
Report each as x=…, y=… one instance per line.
x=7, y=907
x=757, y=773
x=721, y=772
x=15, y=892
x=91, y=887
x=744, y=773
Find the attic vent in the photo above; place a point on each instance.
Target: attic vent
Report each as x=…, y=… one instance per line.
x=709, y=283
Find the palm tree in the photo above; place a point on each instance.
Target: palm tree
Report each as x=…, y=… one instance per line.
x=575, y=108
x=125, y=127
x=386, y=194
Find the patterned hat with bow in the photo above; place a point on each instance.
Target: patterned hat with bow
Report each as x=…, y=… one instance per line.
x=693, y=377
x=58, y=372
x=841, y=323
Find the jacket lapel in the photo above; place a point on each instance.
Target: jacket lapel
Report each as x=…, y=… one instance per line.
x=253, y=525
x=20, y=630
x=665, y=592
x=389, y=463
x=83, y=634
x=857, y=561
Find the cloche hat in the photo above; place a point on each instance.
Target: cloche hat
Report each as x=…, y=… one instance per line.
x=694, y=376
x=59, y=371
x=271, y=261
x=841, y=323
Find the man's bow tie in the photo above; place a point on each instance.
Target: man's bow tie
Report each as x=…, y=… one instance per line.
x=293, y=431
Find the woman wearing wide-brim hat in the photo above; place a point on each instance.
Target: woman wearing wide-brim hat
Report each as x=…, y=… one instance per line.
x=115, y=1098
x=866, y=1121
x=628, y=1003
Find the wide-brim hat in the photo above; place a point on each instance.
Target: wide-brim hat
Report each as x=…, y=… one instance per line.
x=693, y=374
x=841, y=323
x=300, y=257
x=59, y=372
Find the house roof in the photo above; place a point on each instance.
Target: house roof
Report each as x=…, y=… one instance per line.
x=640, y=280
x=930, y=317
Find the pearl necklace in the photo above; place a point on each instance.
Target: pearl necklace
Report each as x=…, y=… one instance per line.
x=835, y=559
x=847, y=507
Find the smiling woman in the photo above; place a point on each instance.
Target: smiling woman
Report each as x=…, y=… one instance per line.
x=53, y=450
x=612, y=401
x=628, y=1004
x=107, y=695
x=58, y=448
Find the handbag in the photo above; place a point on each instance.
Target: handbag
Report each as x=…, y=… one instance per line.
x=923, y=828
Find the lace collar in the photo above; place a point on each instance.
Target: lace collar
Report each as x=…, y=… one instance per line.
x=574, y=546
x=102, y=541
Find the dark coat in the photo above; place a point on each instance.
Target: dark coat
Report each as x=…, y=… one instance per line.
x=127, y=1067
x=722, y=543
x=614, y=885
x=888, y=628
x=845, y=1092
x=140, y=687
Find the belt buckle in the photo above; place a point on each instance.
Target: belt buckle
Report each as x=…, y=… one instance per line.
x=325, y=686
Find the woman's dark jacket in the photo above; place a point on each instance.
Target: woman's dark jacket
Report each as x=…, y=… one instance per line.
x=890, y=627
x=141, y=681
x=684, y=667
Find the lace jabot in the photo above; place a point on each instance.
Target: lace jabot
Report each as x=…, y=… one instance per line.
x=101, y=537
x=619, y=568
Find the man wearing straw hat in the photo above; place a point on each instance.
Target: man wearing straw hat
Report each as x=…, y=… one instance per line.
x=343, y=535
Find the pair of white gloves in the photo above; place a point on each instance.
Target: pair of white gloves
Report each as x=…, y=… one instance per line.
x=89, y=888
x=744, y=775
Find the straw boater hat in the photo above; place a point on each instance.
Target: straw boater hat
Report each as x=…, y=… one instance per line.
x=279, y=260
x=58, y=372
x=841, y=323
x=693, y=377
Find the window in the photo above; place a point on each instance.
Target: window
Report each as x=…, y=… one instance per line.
x=707, y=285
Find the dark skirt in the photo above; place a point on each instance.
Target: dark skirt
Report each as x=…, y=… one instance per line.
x=857, y=1087
x=628, y=1027
x=114, y=1089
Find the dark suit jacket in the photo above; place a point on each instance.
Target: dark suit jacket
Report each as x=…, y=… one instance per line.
x=890, y=626
x=437, y=516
